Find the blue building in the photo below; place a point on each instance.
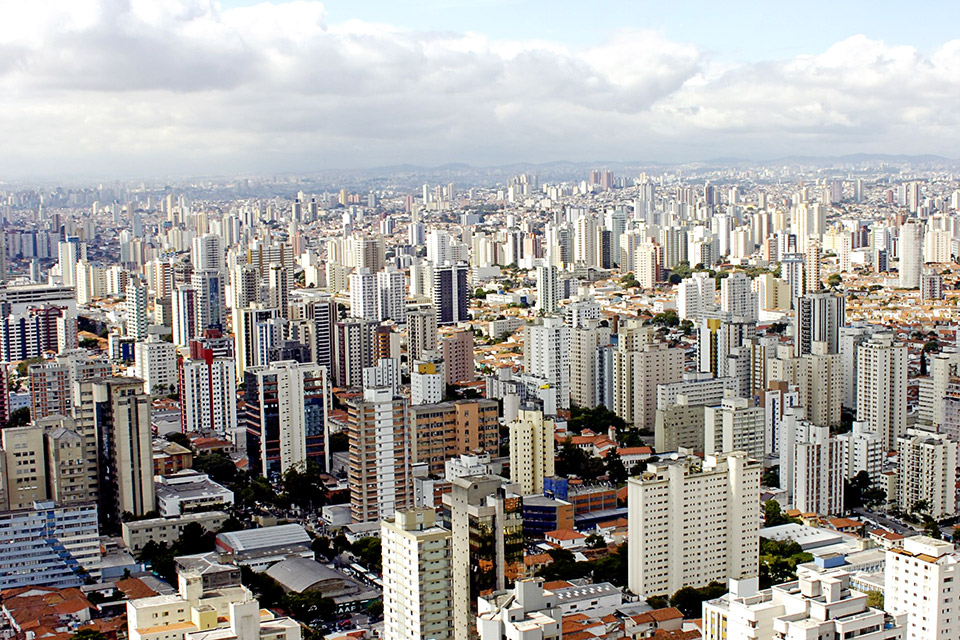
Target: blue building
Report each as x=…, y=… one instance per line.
x=49, y=546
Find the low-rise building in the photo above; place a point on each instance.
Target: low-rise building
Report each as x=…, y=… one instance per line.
x=138, y=533
x=188, y=490
x=260, y=548
x=527, y=612
x=815, y=606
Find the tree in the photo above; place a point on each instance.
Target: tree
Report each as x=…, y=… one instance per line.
x=613, y=464
x=875, y=599
x=773, y=514
x=690, y=600
x=658, y=602
x=19, y=418
x=339, y=442
x=180, y=439
x=771, y=477
x=303, y=486
x=368, y=550
x=89, y=633
x=217, y=465
x=375, y=609
x=834, y=280
x=595, y=541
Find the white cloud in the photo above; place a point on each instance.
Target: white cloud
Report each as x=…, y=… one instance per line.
x=146, y=86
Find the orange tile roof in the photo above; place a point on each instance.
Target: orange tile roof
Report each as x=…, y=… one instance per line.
x=135, y=588
x=556, y=584
x=564, y=534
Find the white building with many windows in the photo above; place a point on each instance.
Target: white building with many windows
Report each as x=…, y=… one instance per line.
x=921, y=582
x=692, y=522
x=417, y=603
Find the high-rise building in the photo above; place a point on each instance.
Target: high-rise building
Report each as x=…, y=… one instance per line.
x=532, y=446
x=427, y=381
x=486, y=523
x=546, y=356
x=919, y=583
x=696, y=296
x=819, y=318
x=910, y=253
x=548, y=294
x=52, y=382
x=927, y=472
x=735, y=425
x=119, y=411
x=820, y=381
x=48, y=545
x=287, y=404
x=363, y=294
x=863, y=450
x=421, y=333
x=279, y=286
x=251, y=349
x=818, y=473
x=155, y=362
x=737, y=297
x=692, y=522
x=210, y=300
x=380, y=479
x=417, y=574
x=354, y=345
x=812, y=281
x=207, y=253
x=457, y=352
x=450, y=293
x=391, y=295
x=882, y=386
x=586, y=363
x=135, y=309
x=69, y=253
x=184, y=307
x=931, y=285
x=445, y=430
x=636, y=375
x=208, y=397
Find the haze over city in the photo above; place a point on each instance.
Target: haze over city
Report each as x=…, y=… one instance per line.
x=141, y=88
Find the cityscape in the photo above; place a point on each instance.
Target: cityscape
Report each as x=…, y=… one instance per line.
x=325, y=322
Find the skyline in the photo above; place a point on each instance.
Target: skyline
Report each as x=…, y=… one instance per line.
x=137, y=89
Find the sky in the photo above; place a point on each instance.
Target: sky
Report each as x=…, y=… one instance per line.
x=154, y=88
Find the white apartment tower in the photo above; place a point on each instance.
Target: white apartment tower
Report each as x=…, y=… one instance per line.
x=927, y=472
x=546, y=355
x=737, y=297
x=920, y=581
x=391, y=295
x=585, y=341
x=696, y=296
x=208, y=397
x=548, y=293
x=882, y=386
x=417, y=575
x=911, y=254
x=692, y=522
x=155, y=362
x=363, y=295
x=818, y=473
x=735, y=425
x=136, y=309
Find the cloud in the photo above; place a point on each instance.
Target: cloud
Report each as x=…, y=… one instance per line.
x=140, y=87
